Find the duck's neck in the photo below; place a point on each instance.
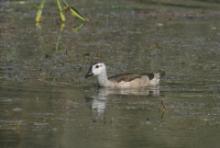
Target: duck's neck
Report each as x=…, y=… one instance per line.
x=103, y=79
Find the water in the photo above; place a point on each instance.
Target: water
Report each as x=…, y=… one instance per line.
x=46, y=102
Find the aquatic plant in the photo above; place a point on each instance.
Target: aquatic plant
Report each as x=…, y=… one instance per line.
x=63, y=7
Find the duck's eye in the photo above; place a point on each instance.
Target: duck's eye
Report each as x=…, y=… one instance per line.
x=97, y=66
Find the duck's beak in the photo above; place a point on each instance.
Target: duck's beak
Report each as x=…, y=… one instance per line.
x=89, y=73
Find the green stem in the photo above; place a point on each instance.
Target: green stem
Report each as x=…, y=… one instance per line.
x=62, y=16
x=38, y=17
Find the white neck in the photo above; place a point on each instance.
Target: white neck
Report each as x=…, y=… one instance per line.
x=103, y=79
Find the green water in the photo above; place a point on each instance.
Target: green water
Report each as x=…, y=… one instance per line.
x=45, y=101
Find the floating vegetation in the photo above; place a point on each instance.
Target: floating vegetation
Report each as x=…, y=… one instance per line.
x=63, y=8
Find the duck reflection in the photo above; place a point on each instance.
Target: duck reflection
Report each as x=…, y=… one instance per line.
x=98, y=102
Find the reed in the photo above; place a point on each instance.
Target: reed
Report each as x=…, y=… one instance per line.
x=63, y=7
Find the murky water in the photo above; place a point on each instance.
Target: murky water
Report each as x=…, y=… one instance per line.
x=46, y=102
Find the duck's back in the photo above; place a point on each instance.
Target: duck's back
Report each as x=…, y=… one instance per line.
x=127, y=77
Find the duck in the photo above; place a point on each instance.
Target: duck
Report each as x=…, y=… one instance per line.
x=124, y=80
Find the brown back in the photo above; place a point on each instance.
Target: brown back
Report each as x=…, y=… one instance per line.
x=129, y=77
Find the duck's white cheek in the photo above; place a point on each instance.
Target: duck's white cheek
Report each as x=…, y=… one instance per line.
x=95, y=73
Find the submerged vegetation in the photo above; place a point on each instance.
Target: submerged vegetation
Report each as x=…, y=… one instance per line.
x=63, y=8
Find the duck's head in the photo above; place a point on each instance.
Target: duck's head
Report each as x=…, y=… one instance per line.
x=96, y=69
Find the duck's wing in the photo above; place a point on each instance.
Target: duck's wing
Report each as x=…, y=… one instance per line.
x=129, y=77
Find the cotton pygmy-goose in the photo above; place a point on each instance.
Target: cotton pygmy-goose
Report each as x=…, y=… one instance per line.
x=126, y=80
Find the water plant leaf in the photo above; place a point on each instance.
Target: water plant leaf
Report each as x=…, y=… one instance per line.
x=76, y=13
x=77, y=28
